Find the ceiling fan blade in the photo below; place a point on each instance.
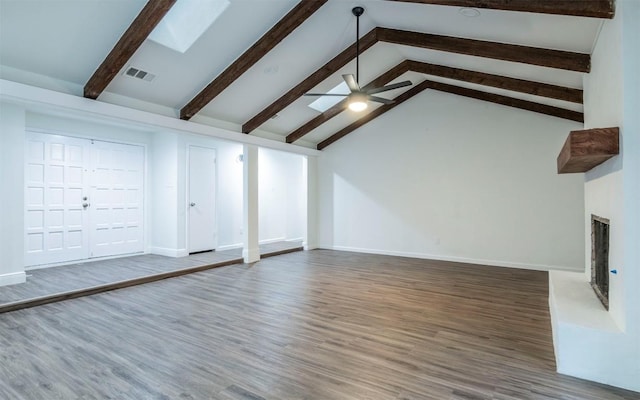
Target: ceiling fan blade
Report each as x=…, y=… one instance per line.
x=326, y=94
x=351, y=82
x=389, y=87
x=380, y=100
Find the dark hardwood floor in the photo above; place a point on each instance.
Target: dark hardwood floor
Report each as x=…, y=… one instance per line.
x=306, y=325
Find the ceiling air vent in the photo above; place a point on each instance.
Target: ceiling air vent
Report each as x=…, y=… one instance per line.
x=138, y=73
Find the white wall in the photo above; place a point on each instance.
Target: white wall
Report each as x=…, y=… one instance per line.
x=281, y=194
x=166, y=183
x=165, y=216
x=164, y=189
x=12, y=124
x=167, y=177
x=229, y=194
x=590, y=342
x=68, y=124
x=451, y=178
x=603, y=102
x=631, y=165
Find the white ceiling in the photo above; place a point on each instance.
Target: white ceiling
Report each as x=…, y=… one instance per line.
x=68, y=39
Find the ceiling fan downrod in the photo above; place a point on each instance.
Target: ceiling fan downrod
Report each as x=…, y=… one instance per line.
x=358, y=97
x=357, y=11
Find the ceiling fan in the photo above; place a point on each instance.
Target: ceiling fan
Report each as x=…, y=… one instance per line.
x=358, y=97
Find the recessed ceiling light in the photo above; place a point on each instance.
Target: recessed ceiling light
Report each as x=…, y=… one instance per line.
x=469, y=12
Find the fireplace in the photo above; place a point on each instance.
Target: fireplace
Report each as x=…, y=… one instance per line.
x=600, y=258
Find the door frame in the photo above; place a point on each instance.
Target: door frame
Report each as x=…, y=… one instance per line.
x=146, y=216
x=187, y=192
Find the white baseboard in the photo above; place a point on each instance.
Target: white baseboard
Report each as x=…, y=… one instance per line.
x=300, y=239
x=230, y=247
x=13, y=278
x=87, y=261
x=164, y=251
x=274, y=240
x=495, y=263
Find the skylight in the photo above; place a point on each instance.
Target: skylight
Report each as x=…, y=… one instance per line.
x=186, y=21
x=326, y=102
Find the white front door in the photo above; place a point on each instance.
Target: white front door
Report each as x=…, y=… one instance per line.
x=117, y=176
x=202, y=195
x=84, y=199
x=56, y=222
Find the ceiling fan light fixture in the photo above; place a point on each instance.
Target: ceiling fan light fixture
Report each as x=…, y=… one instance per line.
x=358, y=102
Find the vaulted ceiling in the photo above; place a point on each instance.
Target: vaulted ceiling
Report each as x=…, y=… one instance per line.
x=249, y=70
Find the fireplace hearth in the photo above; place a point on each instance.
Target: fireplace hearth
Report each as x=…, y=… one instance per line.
x=600, y=258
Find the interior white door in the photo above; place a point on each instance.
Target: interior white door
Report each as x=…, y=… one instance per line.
x=84, y=199
x=116, y=209
x=202, y=196
x=56, y=222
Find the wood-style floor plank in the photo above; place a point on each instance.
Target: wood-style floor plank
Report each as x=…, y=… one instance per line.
x=69, y=281
x=306, y=325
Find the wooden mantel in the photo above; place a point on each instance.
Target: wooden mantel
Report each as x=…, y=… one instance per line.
x=588, y=148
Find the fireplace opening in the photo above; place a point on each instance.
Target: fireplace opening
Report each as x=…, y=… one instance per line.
x=600, y=258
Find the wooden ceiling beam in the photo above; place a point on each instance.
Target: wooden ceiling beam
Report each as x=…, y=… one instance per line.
x=374, y=114
x=480, y=78
x=501, y=82
x=131, y=40
x=508, y=52
x=509, y=101
x=382, y=80
x=460, y=91
x=294, y=18
x=579, y=8
x=310, y=82
x=500, y=51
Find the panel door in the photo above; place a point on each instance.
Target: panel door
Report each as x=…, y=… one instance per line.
x=56, y=223
x=116, y=210
x=202, y=199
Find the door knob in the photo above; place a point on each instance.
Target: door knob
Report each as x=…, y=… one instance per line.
x=192, y=204
x=85, y=205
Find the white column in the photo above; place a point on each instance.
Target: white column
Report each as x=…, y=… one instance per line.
x=12, y=134
x=251, y=250
x=310, y=241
